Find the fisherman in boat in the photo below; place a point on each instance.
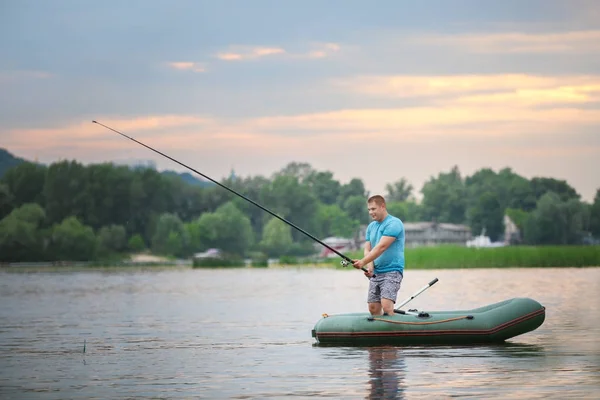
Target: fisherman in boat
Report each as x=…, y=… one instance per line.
x=383, y=257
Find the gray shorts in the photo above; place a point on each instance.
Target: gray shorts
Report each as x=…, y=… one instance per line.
x=384, y=285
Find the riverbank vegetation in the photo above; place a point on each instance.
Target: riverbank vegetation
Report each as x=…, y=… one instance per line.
x=439, y=257
x=68, y=211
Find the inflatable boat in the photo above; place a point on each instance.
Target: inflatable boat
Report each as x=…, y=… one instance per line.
x=489, y=324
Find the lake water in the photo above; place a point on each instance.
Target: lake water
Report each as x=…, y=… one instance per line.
x=246, y=334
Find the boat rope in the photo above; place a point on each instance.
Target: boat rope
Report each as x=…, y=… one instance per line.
x=421, y=323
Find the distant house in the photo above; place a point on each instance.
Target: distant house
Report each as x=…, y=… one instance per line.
x=210, y=253
x=429, y=234
x=512, y=234
x=342, y=245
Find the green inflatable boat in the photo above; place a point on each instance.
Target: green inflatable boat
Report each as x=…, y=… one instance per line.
x=489, y=324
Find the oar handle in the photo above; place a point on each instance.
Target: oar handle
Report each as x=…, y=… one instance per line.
x=424, y=288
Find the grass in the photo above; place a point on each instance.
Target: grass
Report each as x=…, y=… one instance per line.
x=499, y=257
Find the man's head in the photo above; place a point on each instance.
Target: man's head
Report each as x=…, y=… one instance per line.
x=377, y=208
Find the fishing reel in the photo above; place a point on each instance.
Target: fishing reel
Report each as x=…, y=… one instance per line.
x=345, y=263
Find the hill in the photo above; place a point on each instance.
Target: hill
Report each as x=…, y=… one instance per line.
x=7, y=161
x=189, y=178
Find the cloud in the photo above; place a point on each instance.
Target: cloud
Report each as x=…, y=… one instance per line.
x=481, y=90
x=90, y=133
x=238, y=53
x=572, y=42
x=187, y=66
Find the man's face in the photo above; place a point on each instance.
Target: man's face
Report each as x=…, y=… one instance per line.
x=376, y=211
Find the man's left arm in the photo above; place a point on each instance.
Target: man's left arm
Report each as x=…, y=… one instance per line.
x=384, y=243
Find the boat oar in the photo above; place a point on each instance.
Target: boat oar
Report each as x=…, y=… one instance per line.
x=424, y=288
x=345, y=259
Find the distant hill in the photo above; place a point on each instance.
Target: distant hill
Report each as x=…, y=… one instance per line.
x=189, y=178
x=7, y=161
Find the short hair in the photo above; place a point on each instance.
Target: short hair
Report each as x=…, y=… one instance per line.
x=377, y=199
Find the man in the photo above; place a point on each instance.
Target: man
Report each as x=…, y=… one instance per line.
x=383, y=256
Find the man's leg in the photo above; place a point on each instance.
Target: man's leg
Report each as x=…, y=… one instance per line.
x=389, y=291
x=374, y=296
x=388, y=306
x=375, y=308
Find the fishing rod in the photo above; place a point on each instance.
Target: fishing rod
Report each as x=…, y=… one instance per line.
x=345, y=259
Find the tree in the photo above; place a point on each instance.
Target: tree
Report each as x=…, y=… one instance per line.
x=324, y=187
x=26, y=182
x=595, y=215
x=112, y=239
x=20, y=239
x=487, y=213
x=541, y=186
x=72, y=241
x=170, y=237
x=136, y=243
x=333, y=221
x=290, y=199
x=356, y=208
x=6, y=200
x=398, y=191
x=556, y=222
x=65, y=191
x=445, y=198
x=276, y=238
x=355, y=187
x=227, y=229
x=298, y=170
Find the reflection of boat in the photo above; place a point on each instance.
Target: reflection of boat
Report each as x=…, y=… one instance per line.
x=386, y=373
x=492, y=323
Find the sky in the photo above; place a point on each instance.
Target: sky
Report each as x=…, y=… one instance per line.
x=373, y=90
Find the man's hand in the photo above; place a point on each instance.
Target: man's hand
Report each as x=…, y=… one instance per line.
x=358, y=264
x=369, y=273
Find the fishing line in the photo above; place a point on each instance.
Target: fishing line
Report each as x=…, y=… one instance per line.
x=345, y=259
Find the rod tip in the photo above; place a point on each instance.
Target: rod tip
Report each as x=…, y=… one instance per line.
x=94, y=122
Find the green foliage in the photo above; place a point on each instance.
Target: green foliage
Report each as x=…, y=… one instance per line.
x=399, y=191
x=555, y=221
x=356, y=208
x=119, y=202
x=439, y=257
x=112, y=239
x=8, y=161
x=227, y=229
x=72, y=241
x=519, y=217
x=595, y=215
x=226, y=261
x=136, y=243
x=325, y=188
x=407, y=211
x=486, y=213
x=26, y=183
x=20, y=237
x=445, y=198
x=170, y=237
x=6, y=200
x=333, y=221
x=277, y=238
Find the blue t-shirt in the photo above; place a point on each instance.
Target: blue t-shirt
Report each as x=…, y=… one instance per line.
x=392, y=258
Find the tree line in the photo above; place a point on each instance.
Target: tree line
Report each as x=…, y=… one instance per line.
x=69, y=211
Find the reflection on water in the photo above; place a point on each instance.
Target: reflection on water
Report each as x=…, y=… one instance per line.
x=245, y=333
x=387, y=371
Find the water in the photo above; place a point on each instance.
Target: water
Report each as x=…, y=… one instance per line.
x=245, y=333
